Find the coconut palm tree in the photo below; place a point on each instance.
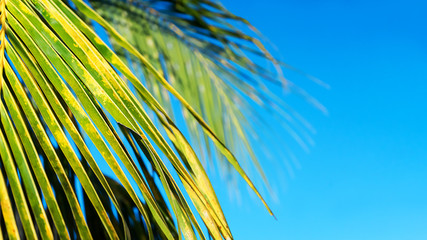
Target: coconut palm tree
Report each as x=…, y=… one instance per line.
x=90, y=87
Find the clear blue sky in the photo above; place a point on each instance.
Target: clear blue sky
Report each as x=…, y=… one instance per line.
x=366, y=177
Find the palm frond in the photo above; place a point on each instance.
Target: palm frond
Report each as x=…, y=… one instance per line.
x=70, y=102
x=205, y=54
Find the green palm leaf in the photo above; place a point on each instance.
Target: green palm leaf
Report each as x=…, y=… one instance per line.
x=69, y=103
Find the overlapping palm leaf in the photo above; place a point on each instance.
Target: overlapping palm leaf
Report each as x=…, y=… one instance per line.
x=69, y=102
x=204, y=55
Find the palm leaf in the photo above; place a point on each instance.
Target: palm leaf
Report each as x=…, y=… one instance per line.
x=201, y=41
x=70, y=102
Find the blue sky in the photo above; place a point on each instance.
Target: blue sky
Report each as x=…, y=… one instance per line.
x=366, y=177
